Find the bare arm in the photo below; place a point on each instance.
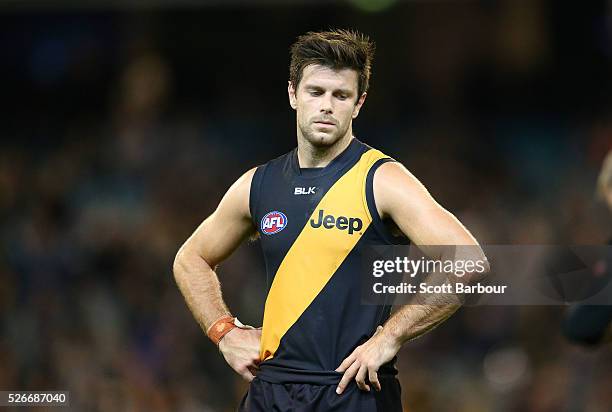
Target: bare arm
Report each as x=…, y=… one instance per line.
x=194, y=270
x=401, y=197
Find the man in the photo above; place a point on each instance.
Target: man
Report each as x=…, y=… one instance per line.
x=592, y=324
x=315, y=209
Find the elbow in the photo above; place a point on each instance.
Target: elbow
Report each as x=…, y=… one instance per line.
x=178, y=264
x=486, y=266
x=181, y=259
x=481, y=270
x=188, y=260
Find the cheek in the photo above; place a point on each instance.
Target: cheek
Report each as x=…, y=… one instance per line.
x=303, y=114
x=349, y=112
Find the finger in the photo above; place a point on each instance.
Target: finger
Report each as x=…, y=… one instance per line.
x=360, y=378
x=347, y=362
x=347, y=377
x=253, y=370
x=254, y=364
x=373, y=378
x=247, y=375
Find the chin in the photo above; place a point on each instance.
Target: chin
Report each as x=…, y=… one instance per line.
x=323, y=139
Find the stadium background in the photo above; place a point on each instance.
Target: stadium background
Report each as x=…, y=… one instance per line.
x=124, y=123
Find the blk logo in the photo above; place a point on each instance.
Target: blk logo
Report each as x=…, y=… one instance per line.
x=305, y=190
x=351, y=224
x=273, y=222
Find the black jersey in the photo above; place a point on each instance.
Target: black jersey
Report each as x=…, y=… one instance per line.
x=313, y=225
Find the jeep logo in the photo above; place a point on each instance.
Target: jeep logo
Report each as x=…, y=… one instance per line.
x=352, y=224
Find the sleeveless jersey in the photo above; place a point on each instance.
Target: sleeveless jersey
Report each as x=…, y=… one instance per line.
x=313, y=224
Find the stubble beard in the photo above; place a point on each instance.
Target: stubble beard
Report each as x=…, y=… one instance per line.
x=321, y=140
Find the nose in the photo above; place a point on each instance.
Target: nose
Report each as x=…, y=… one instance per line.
x=326, y=103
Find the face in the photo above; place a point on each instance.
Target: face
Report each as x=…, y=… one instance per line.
x=326, y=103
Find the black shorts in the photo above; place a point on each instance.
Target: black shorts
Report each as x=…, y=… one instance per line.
x=264, y=396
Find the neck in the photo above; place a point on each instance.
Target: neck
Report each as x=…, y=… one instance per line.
x=313, y=156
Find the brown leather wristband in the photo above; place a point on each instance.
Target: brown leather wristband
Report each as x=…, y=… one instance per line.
x=220, y=327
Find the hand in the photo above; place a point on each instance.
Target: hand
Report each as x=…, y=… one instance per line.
x=240, y=348
x=366, y=359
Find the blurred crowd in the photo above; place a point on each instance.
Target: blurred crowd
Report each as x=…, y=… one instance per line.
x=118, y=148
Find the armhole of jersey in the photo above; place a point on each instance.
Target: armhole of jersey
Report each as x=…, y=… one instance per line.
x=379, y=225
x=255, y=194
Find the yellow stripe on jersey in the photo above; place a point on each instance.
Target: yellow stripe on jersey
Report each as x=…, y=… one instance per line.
x=317, y=252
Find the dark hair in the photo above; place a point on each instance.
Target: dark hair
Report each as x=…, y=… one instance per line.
x=336, y=49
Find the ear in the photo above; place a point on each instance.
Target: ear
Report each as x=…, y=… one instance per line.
x=291, y=92
x=358, y=105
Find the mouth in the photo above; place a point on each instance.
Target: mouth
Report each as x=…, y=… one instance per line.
x=325, y=123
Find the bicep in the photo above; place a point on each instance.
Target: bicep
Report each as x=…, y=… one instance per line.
x=228, y=226
x=400, y=196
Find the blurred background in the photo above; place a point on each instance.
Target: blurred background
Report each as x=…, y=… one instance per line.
x=125, y=122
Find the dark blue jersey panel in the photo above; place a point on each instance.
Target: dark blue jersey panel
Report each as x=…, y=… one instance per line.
x=283, y=197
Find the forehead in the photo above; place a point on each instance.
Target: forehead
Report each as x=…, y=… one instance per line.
x=326, y=77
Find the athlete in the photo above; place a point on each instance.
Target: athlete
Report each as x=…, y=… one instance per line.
x=592, y=324
x=315, y=209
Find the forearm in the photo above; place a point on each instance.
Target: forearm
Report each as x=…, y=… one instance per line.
x=200, y=287
x=414, y=320
x=429, y=310
x=407, y=323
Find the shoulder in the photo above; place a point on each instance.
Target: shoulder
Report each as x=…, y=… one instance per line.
x=236, y=198
x=393, y=174
x=394, y=185
x=244, y=181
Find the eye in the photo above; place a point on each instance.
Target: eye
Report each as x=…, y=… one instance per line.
x=315, y=93
x=341, y=95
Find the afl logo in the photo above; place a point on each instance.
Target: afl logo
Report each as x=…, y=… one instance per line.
x=273, y=222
